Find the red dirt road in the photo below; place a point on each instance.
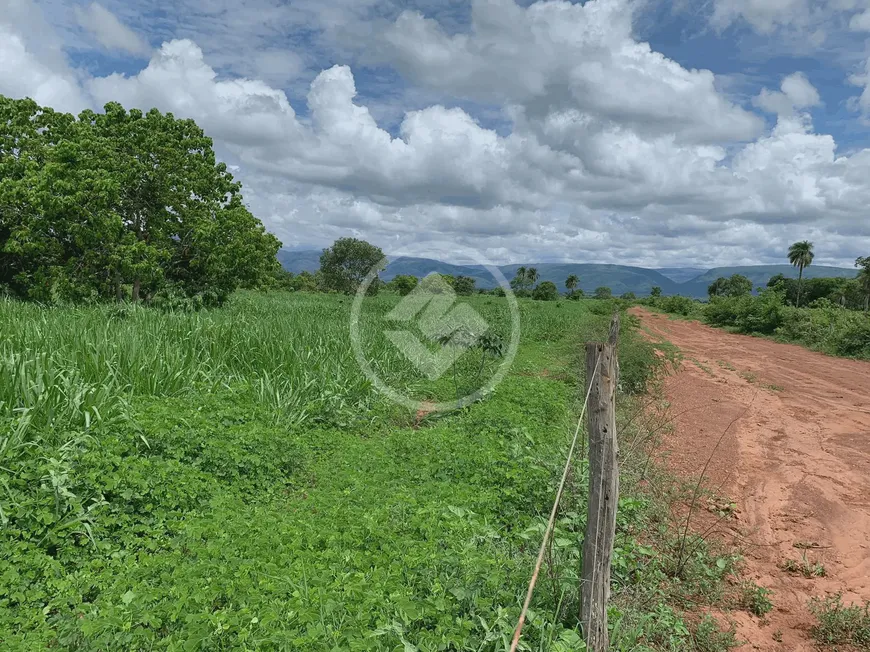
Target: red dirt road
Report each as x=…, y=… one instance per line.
x=796, y=462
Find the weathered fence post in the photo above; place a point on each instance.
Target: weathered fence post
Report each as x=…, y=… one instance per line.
x=603, y=489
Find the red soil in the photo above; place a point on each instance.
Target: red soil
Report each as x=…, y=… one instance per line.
x=796, y=461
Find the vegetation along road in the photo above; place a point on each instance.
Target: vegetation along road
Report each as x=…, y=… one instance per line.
x=794, y=463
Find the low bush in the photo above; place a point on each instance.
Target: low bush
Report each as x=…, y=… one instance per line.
x=678, y=305
x=748, y=314
x=841, y=625
x=829, y=328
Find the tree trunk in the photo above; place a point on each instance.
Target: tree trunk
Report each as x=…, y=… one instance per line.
x=119, y=293
x=800, y=285
x=137, y=284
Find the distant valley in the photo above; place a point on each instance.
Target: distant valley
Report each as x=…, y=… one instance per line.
x=687, y=281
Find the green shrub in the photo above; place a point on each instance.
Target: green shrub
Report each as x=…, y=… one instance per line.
x=677, y=305
x=748, y=314
x=829, y=328
x=755, y=599
x=841, y=625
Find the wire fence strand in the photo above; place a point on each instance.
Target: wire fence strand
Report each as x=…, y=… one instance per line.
x=551, y=524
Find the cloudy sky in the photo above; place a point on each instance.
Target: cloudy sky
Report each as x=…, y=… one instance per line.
x=690, y=132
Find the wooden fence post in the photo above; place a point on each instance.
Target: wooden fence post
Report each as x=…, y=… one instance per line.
x=603, y=490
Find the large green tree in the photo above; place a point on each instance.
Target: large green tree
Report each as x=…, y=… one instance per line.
x=464, y=285
x=106, y=201
x=347, y=262
x=736, y=285
x=801, y=255
x=403, y=284
x=546, y=291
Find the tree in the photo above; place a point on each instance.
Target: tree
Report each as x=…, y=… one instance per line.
x=347, y=263
x=464, y=285
x=520, y=282
x=603, y=293
x=801, y=255
x=546, y=291
x=734, y=286
x=91, y=204
x=571, y=283
x=403, y=284
x=628, y=296
x=864, y=279
x=531, y=276
x=656, y=292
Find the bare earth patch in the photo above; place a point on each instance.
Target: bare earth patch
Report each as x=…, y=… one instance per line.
x=796, y=463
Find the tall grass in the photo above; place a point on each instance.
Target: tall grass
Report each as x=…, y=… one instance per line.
x=70, y=367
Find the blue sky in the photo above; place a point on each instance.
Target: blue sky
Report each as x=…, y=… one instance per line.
x=638, y=132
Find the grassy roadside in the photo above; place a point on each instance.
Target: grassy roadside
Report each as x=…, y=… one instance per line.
x=208, y=518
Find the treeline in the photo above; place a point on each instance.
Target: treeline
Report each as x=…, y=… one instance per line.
x=121, y=205
x=850, y=293
x=826, y=314
x=822, y=324
x=346, y=264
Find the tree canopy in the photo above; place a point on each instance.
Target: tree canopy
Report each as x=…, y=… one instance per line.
x=99, y=205
x=546, y=291
x=464, y=285
x=403, y=284
x=733, y=286
x=347, y=262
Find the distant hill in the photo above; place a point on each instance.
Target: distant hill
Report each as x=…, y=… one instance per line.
x=681, y=274
x=299, y=261
x=619, y=278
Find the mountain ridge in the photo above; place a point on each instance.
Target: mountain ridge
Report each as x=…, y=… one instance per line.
x=619, y=278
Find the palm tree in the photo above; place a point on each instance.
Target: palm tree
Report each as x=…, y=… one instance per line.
x=519, y=281
x=801, y=255
x=571, y=283
x=532, y=275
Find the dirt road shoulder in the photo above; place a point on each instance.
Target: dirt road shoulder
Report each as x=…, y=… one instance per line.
x=795, y=461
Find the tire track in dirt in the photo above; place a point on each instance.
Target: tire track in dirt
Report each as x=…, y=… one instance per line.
x=796, y=463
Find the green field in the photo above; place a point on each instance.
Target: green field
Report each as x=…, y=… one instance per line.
x=229, y=480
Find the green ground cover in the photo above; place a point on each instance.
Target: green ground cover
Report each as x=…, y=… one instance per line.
x=228, y=480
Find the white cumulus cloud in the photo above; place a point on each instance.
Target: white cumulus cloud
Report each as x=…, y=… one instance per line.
x=603, y=149
x=796, y=92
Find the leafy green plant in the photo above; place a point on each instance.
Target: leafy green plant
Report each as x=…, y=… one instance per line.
x=755, y=599
x=707, y=636
x=840, y=624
